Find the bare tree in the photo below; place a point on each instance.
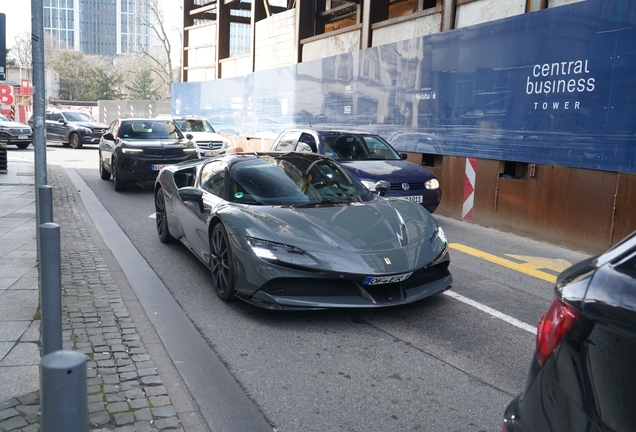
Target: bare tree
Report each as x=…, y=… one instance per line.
x=20, y=53
x=161, y=59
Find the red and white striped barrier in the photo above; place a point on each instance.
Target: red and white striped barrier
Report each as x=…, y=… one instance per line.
x=149, y=110
x=118, y=112
x=12, y=115
x=132, y=111
x=105, y=117
x=469, y=189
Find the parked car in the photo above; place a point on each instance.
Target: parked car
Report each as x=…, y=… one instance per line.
x=370, y=158
x=15, y=133
x=136, y=149
x=583, y=374
x=72, y=128
x=298, y=231
x=209, y=142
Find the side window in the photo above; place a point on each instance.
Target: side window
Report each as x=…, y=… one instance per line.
x=287, y=141
x=306, y=143
x=49, y=116
x=213, y=177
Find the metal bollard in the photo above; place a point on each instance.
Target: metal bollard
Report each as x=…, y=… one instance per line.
x=46, y=203
x=51, y=288
x=63, y=392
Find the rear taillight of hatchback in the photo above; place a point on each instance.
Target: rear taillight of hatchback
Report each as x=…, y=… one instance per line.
x=553, y=326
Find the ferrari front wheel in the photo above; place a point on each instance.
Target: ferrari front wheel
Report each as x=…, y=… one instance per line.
x=221, y=263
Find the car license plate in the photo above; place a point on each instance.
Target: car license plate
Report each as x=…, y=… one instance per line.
x=372, y=280
x=209, y=153
x=157, y=167
x=23, y=137
x=414, y=198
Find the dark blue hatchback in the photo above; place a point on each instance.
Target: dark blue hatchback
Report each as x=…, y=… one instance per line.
x=370, y=158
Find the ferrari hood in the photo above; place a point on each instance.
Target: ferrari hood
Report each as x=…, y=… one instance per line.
x=377, y=237
x=369, y=227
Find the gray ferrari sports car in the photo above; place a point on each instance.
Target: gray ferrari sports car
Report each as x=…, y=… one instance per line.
x=297, y=231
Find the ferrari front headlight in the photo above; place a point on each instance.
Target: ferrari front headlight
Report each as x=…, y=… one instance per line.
x=279, y=253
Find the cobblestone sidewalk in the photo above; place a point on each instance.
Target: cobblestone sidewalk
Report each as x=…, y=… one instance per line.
x=125, y=392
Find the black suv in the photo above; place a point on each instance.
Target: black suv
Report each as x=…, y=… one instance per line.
x=15, y=133
x=74, y=128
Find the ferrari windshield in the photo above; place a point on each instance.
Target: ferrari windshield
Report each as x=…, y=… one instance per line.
x=293, y=180
x=357, y=146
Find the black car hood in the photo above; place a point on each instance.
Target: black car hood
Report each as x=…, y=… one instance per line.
x=146, y=143
x=391, y=170
x=90, y=125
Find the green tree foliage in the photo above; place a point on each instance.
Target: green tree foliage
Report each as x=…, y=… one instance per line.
x=74, y=71
x=143, y=86
x=104, y=85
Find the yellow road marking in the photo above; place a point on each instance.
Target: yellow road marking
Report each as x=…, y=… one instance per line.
x=527, y=268
x=557, y=265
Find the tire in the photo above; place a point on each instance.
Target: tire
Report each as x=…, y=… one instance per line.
x=22, y=146
x=221, y=266
x=75, y=141
x=161, y=217
x=103, y=172
x=117, y=184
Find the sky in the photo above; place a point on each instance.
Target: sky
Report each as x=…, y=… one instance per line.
x=18, y=18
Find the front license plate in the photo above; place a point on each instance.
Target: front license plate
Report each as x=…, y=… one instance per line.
x=209, y=153
x=157, y=167
x=23, y=137
x=371, y=280
x=414, y=198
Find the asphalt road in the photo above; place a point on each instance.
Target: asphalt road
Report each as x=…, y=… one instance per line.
x=439, y=364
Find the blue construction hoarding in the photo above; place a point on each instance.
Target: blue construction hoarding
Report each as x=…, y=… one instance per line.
x=556, y=86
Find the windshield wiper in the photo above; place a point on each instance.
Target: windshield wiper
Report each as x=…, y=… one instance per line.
x=324, y=201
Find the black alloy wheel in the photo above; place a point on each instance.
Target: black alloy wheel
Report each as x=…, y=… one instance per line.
x=103, y=172
x=221, y=265
x=161, y=217
x=75, y=141
x=118, y=184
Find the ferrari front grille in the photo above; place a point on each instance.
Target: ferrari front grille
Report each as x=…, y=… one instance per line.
x=310, y=288
x=427, y=275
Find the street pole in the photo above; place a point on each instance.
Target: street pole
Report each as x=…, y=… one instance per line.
x=39, y=105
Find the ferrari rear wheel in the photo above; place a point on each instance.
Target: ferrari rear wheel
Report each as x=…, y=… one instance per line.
x=103, y=172
x=161, y=217
x=221, y=263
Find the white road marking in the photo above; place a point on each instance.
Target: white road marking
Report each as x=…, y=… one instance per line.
x=153, y=216
x=510, y=320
